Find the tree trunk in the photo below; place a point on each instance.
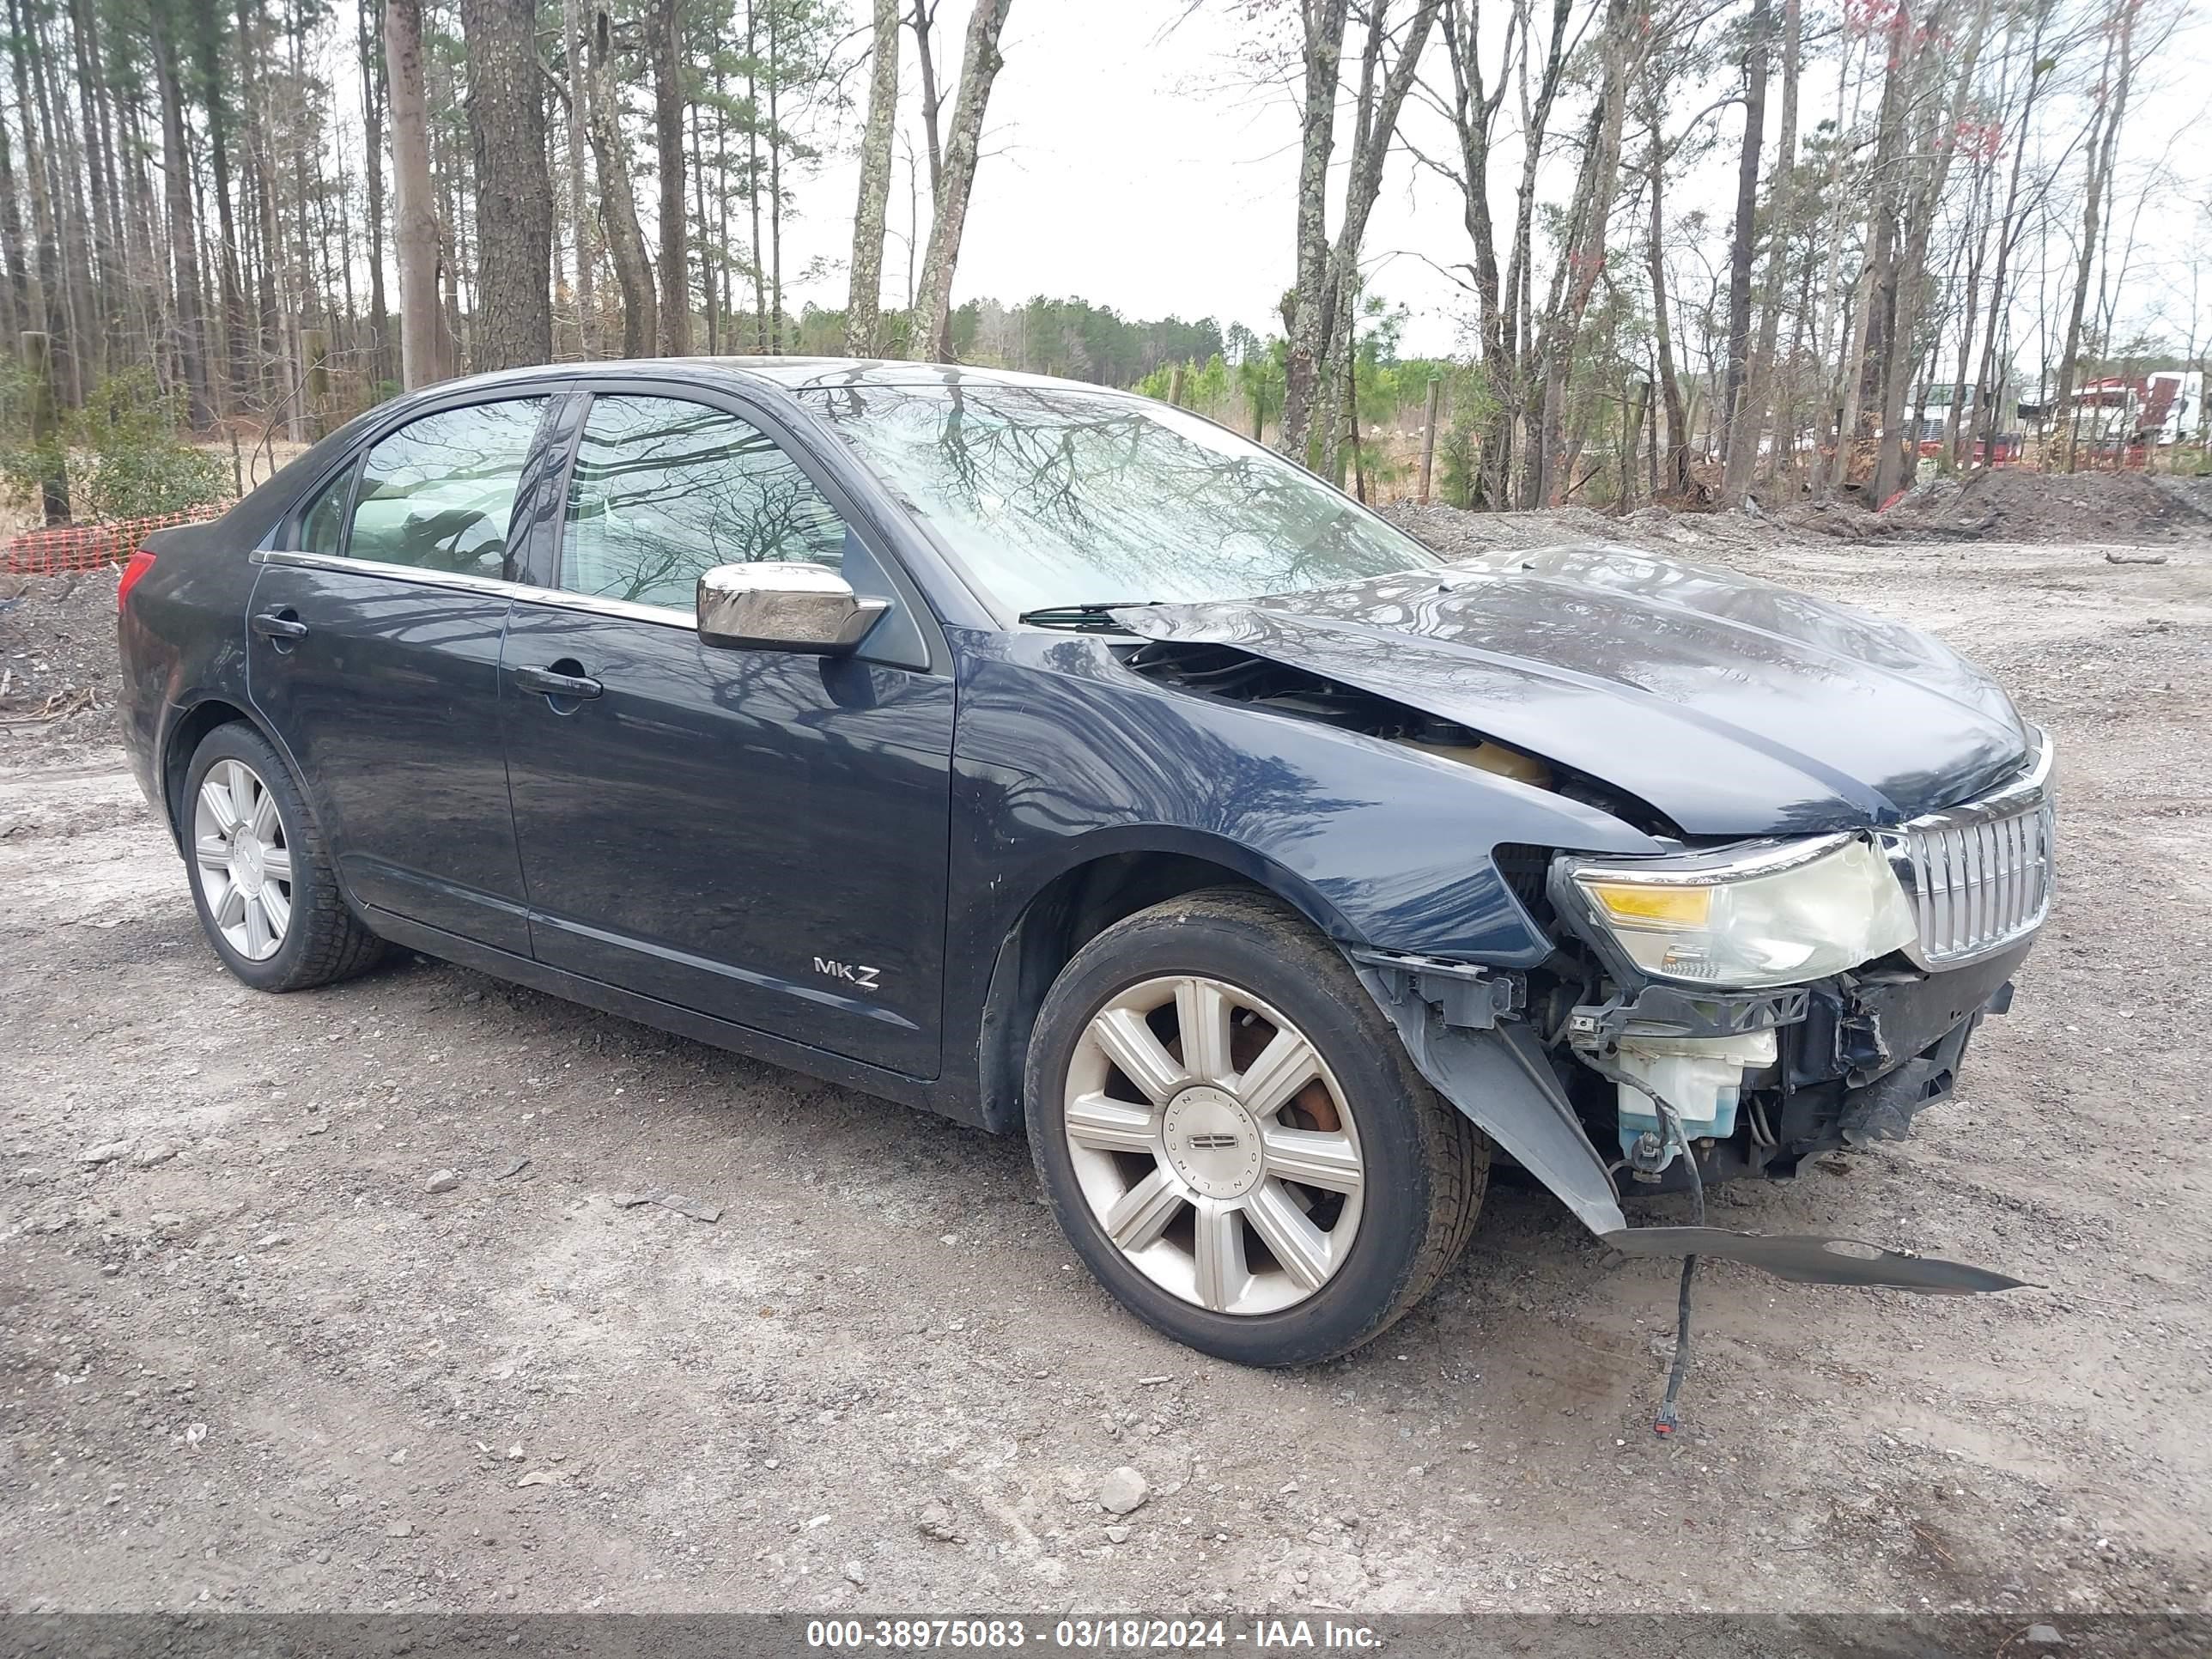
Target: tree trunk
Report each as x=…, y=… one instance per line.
x=513, y=319
x=1781, y=200
x=979, y=66
x=1677, y=475
x=1620, y=47
x=2014, y=223
x=414, y=221
x=864, y=295
x=1879, y=336
x=775, y=145
x=1474, y=108
x=1977, y=233
x=617, y=204
x=82, y=330
x=14, y=275
x=667, y=48
x=1375, y=125
x=372, y=115
x=183, y=237
x=1893, y=467
x=574, y=46
x=2104, y=138
x=1323, y=47
x=703, y=249
x=1740, y=436
x=925, y=17
x=46, y=315
x=85, y=35
x=753, y=180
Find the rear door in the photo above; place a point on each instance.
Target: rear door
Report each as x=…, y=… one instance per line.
x=374, y=631
x=759, y=835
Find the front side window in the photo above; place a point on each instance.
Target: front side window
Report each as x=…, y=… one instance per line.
x=438, y=493
x=1065, y=497
x=665, y=490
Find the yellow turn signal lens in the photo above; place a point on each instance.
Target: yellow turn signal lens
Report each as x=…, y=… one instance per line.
x=1640, y=904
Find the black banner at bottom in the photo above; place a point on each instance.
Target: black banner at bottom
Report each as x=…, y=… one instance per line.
x=772, y=1636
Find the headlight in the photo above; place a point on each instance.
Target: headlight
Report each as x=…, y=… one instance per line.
x=1774, y=915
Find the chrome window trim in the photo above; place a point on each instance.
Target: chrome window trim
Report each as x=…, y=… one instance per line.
x=491, y=586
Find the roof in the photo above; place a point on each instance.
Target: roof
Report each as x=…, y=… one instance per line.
x=797, y=373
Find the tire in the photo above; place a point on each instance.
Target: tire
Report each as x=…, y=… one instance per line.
x=270, y=863
x=1217, y=1258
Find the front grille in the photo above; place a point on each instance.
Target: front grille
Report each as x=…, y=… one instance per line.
x=1979, y=875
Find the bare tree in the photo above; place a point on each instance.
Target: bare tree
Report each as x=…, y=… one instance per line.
x=979, y=66
x=2114, y=83
x=1376, y=109
x=864, y=295
x=1741, y=434
x=1624, y=37
x=1321, y=26
x=575, y=47
x=668, y=53
x=183, y=237
x=618, y=200
x=415, y=220
x=924, y=23
x=513, y=323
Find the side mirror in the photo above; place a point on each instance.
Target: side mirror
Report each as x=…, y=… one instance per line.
x=784, y=606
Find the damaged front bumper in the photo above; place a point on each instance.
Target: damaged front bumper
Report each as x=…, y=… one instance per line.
x=1839, y=1062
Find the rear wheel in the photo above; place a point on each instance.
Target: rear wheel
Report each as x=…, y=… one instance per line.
x=267, y=897
x=1234, y=1140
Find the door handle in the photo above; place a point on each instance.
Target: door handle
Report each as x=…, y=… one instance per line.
x=276, y=625
x=555, y=685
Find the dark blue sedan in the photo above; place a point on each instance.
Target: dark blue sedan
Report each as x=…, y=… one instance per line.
x=1052, y=758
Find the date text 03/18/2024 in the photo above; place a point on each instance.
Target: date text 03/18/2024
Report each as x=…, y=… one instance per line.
x=1097, y=1635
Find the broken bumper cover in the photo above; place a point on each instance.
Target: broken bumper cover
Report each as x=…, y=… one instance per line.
x=1461, y=1026
x=1813, y=1261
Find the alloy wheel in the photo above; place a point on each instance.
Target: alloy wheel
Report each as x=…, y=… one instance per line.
x=245, y=862
x=1212, y=1144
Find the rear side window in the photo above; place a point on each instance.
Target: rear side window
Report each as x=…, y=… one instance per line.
x=665, y=490
x=322, y=527
x=438, y=493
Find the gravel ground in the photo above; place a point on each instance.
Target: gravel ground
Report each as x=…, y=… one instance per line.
x=257, y=1356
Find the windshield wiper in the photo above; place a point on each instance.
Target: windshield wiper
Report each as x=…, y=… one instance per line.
x=1094, y=614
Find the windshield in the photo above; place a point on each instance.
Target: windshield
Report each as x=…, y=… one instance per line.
x=1056, y=496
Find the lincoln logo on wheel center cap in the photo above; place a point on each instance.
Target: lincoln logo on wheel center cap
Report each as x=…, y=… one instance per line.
x=1213, y=1142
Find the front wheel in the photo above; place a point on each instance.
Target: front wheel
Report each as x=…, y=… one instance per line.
x=1234, y=1138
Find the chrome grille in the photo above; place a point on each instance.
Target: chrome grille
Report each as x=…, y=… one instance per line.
x=1979, y=875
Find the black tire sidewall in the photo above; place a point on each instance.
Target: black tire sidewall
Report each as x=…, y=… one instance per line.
x=240, y=742
x=1363, y=1296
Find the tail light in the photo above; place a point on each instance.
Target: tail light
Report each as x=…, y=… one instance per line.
x=141, y=562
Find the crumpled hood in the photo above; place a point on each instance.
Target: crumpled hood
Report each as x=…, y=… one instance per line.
x=1734, y=707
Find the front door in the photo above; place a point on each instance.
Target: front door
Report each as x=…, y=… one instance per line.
x=374, y=639
x=758, y=835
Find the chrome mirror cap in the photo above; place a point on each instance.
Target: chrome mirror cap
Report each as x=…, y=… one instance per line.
x=784, y=606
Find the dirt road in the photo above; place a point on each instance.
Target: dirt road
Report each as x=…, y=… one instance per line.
x=251, y=1360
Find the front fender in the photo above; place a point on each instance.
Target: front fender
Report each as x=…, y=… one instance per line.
x=1062, y=754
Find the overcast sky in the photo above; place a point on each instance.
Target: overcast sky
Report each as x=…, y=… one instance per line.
x=1130, y=161
x=1134, y=158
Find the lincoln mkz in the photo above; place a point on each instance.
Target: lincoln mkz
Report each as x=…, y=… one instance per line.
x=1056, y=760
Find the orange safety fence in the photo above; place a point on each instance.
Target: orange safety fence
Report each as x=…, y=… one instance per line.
x=89, y=546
